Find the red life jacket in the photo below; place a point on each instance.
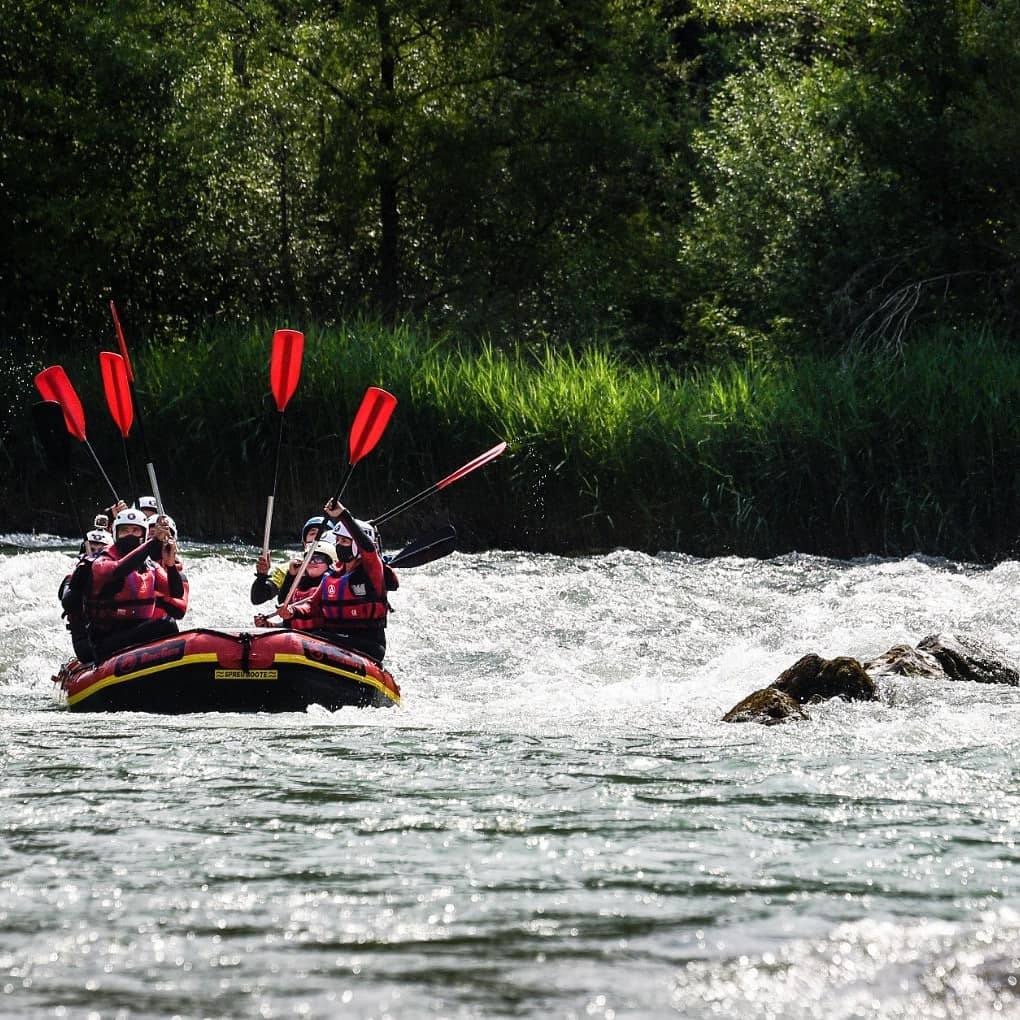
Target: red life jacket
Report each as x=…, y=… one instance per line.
x=348, y=602
x=352, y=601
x=132, y=601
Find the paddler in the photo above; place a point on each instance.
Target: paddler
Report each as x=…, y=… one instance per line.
x=113, y=594
x=275, y=582
x=348, y=608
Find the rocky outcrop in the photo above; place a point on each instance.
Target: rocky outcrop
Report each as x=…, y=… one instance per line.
x=812, y=679
x=767, y=707
x=809, y=680
x=965, y=658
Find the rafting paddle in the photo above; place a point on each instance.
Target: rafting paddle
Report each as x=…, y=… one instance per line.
x=122, y=344
x=433, y=546
x=479, y=461
x=284, y=372
x=369, y=424
x=117, y=390
x=53, y=385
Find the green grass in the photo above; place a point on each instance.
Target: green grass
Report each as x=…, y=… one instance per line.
x=879, y=453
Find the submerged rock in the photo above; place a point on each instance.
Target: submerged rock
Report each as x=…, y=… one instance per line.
x=813, y=679
x=965, y=658
x=768, y=707
x=808, y=681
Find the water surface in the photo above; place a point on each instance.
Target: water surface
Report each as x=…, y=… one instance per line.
x=555, y=823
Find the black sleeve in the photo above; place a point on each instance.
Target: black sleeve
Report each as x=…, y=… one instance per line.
x=262, y=590
x=76, y=587
x=153, y=548
x=175, y=582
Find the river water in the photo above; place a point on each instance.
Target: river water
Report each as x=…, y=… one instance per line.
x=554, y=824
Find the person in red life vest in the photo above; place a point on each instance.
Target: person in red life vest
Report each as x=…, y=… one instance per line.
x=276, y=581
x=95, y=542
x=114, y=592
x=350, y=607
x=322, y=561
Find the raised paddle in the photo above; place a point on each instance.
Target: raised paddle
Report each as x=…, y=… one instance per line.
x=369, y=424
x=117, y=390
x=284, y=372
x=51, y=430
x=122, y=344
x=53, y=384
x=479, y=461
x=433, y=546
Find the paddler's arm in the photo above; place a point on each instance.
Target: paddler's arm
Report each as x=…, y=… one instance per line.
x=152, y=549
x=262, y=588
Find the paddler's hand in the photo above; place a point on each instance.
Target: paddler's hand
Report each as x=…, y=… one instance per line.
x=261, y=621
x=285, y=613
x=333, y=509
x=262, y=565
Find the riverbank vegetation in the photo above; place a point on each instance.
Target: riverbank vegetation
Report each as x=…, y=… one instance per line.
x=895, y=452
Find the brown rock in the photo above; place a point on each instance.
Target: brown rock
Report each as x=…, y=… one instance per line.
x=965, y=658
x=813, y=678
x=902, y=660
x=768, y=707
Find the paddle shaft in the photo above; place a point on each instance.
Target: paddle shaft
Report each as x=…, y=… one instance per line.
x=106, y=477
x=454, y=476
x=271, y=500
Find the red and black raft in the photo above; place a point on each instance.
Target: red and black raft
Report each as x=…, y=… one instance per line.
x=228, y=671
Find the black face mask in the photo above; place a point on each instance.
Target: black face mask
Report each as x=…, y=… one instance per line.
x=129, y=543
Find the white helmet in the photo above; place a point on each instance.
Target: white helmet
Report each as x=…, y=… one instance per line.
x=368, y=529
x=101, y=521
x=327, y=549
x=147, y=503
x=99, y=535
x=130, y=516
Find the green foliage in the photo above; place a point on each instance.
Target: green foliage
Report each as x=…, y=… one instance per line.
x=854, y=178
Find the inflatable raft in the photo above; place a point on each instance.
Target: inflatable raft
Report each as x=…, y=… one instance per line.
x=228, y=671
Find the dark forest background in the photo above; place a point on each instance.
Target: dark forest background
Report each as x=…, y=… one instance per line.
x=678, y=178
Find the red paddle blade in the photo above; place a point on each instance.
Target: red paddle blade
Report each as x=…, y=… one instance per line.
x=121, y=342
x=370, y=422
x=117, y=390
x=285, y=366
x=483, y=458
x=53, y=384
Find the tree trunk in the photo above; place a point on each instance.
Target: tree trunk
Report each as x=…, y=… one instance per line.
x=388, y=212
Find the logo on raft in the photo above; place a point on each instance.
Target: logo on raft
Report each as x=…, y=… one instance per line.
x=165, y=651
x=331, y=657
x=240, y=674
